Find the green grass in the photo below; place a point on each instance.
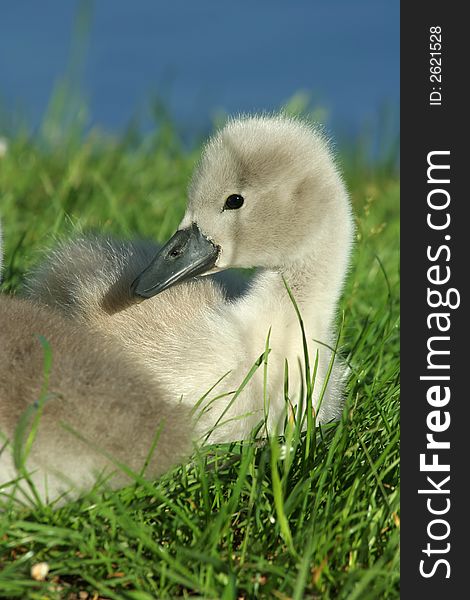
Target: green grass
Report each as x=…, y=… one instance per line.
x=243, y=521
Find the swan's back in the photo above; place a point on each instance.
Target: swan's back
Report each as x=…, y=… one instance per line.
x=89, y=275
x=181, y=337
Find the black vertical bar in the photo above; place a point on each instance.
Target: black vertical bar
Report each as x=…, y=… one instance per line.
x=435, y=271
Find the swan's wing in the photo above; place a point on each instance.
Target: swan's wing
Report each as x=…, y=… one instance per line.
x=99, y=408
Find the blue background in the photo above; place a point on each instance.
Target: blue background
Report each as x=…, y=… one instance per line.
x=202, y=57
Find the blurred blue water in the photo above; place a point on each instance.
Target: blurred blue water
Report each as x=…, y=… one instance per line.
x=204, y=56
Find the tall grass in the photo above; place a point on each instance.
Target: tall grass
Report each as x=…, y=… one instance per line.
x=302, y=516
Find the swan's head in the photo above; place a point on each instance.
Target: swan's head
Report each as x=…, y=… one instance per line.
x=263, y=193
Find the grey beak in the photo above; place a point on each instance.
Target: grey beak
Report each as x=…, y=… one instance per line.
x=187, y=254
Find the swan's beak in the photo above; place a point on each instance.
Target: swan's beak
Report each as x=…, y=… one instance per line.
x=187, y=254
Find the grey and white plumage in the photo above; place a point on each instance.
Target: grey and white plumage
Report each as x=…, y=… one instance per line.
x=295, y=225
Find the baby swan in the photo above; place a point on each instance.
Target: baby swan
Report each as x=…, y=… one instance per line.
x=98, y=409
x=266, y=194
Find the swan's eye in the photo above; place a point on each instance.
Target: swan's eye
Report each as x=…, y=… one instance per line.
x=234, y=201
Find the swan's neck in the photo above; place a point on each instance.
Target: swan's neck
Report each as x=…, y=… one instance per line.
x=311, y=288
x=315, y=281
